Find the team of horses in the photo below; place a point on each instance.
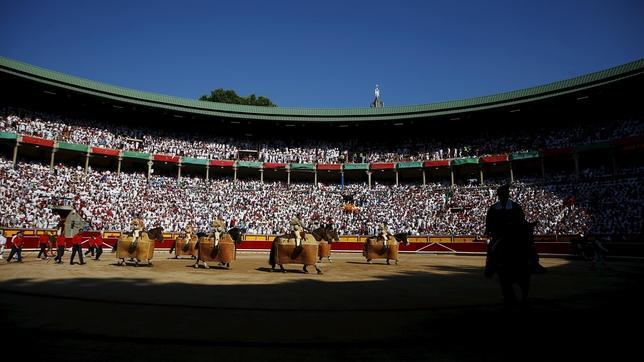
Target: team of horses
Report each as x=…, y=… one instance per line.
x=313, y=247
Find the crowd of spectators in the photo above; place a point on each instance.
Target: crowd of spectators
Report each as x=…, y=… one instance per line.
x=109, y=201
x=205, y=144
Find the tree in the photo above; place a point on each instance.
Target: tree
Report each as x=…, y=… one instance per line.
x=230, y=96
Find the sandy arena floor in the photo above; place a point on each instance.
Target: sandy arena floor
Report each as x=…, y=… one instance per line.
x=429, y=307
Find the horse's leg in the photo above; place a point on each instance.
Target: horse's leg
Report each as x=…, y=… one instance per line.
x=330, y=260
x=205, y=265
x=388, y=262
x=196, y=266
x=282, y=268
x=227, y=265
x=317, y=269
x=304, y=269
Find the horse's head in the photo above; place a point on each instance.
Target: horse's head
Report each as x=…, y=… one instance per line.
x=332, y=234
x=236, y=234
x=402, y=238
x=156, y=234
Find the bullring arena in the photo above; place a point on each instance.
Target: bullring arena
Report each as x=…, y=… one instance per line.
x=86, y=158
x=429, y=306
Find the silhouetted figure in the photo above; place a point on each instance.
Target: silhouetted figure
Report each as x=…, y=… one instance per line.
x=510, y=253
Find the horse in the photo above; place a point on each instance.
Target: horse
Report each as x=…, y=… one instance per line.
x=141, y=248
x=376, y=248
x=184, y=246
x=223, y=253
x=325, y=235
x=284, y=251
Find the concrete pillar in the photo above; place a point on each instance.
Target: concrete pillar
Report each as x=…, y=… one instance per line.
x=451, y=171
x=51, y=161
x=575, y=158
x=207, y=172
x=396, y=177
x=261, y=175
x=118, y=166
x=424, y=178
x=369, y=178
x=179, y=173
x=315, y=177
x=15, y=153
x=288, y=176
x=150, y=163
x=86, y=162
x=235, y=173
x=481, y=174
x=511, y=174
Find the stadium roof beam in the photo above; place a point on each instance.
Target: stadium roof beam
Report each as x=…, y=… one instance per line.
x=14, y=70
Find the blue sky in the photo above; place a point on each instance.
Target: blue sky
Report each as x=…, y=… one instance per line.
x=325, y=53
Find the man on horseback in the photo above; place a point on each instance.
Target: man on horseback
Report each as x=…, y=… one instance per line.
x=137, y=226
x=383, y=232
x=219, y=227
x=297, y=228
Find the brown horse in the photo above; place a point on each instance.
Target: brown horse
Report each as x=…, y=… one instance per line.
x=223, y=253
x=141, y=248
x=284, y=251
x=185, y=246
x=325, y=235
x=376, y=248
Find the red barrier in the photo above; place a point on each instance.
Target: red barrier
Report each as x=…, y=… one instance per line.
x=37, y=141
x=272, y=165
x=329, y=166
x=223, y=163
x=105, y=151
x=166, y=158
x=436, y=163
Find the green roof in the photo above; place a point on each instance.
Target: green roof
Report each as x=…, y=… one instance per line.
x=355, y=166
x=138, y=155
x=135, y=97
x=8, y=135
x=409, y=165
x=302, y=166
x=250, y=164
x=194, y=161
x=72, y=147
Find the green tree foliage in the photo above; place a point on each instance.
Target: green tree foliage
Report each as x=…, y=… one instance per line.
x=230, y=96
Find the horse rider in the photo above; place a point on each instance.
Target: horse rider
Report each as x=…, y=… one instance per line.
x=137, y=225
x=383, y=232
x=329, y=224
x=190, y=231
x=219, y=227
x=297, y=228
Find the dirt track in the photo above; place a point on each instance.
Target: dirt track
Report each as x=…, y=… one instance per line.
x=428, y=307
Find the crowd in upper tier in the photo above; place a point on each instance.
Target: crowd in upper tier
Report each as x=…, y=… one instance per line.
x=204, y=144
x=109, y=201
